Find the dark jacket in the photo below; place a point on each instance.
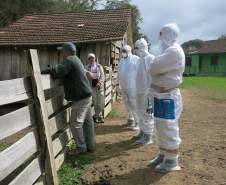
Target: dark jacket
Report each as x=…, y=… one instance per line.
x=75, y=81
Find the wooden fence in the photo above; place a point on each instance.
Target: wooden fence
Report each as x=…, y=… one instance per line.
x=34, y=117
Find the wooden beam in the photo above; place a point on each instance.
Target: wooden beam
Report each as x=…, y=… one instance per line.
x=50, y=168
x=107, y=110
x=40, y=181
x=55, y=104
x=48, y=82
x=59, y=121
x=108, y=90
x=15, y=90
x=14, y=156
x=16, y=121
x=108, y=99
x=60, y=142
x=29, y=175
x=60, y=159
x=108, y=84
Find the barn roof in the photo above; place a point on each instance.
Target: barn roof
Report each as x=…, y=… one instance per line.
x=209, y=47
x=56, y=28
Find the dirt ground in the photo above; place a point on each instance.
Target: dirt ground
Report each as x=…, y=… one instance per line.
x=202, y=155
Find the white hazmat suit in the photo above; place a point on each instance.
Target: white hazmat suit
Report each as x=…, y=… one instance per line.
x=167, y=71
x=127, y=81
x=144, y=98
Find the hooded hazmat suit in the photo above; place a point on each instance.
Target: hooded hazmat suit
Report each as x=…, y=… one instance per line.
x=167, y=71
x=127, y=81
x=144, y=100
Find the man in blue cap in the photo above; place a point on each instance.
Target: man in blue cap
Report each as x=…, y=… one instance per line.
x=77, y=90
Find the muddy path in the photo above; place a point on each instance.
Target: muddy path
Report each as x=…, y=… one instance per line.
x=203, y=149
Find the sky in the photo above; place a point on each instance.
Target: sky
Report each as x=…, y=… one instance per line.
x=197, y=19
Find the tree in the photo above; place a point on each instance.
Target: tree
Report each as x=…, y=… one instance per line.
x=197, y=43
x=136, y=15
x=73, y=5
x=223, y=37
x=12, y=10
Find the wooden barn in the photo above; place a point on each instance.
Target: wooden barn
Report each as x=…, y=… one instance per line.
x=102, y=32
x=34, y=117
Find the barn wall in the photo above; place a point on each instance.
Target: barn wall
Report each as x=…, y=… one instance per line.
x=14, y=62
x=102, y=50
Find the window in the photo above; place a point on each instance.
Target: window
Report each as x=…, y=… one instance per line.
x=188, y=61
x=214, y=60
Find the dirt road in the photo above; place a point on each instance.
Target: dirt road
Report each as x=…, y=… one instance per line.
x=203, y=149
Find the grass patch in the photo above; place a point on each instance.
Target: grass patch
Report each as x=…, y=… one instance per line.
x=3, y=146
x=214, y=87
x=115, y=113
x=71, y=171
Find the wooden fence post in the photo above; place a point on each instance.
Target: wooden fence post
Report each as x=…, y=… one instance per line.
x=50, y=168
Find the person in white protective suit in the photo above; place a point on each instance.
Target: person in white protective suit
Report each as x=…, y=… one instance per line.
x=127, y=82
x=167, y=71
x=143, y=98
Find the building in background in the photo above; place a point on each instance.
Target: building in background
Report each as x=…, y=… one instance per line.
x=205, y=58
x=102, y=32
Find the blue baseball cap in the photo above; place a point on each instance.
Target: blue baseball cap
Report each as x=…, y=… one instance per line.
x=68, y=46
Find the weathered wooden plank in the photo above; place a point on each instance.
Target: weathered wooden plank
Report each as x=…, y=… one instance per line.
x=108, y=84
x=107, y=76
x=60, y=142
x=108, y=99
x=17, y=154
x=24, y=69
x=59, y=121
x=40, y=181
x=60, y=159
x=55, y=104
x=48, y=82
x=7, y=64
x=50, y=168
x=16, y=121
x=54, y=92
x=15, y=64
x=29, y=175
x=14, y=90
x=108, y=90
x=107, y=110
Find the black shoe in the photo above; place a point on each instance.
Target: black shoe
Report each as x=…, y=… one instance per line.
x=95, y=119
x=101, y=120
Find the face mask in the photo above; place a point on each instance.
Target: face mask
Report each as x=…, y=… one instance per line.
x=124, y=55
x=162, y=46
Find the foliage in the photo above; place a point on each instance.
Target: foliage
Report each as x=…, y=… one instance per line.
x=71, y=171
x=223, y=37
x=3, y=146
x=114, y=113
x=136, y=15
x=197, y=43
x=12, y=10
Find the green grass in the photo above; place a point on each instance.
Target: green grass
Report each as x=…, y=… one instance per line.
x=114, y=113
x=214, y=87
x=71, y=171
x=3, y=146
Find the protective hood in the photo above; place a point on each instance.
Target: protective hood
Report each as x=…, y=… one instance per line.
x=142, y=46
x=128, y=50
x=169, y=34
